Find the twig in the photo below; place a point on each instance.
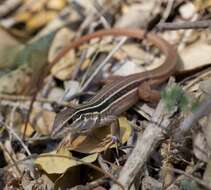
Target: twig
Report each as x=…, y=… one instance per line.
x=100, y=13
x=184, y=25
x=197, y=180
x=88, y=70
x=28, y=98
x=167, y=11
x=203, y=110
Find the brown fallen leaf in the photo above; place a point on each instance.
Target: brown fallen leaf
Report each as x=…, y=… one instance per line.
x=100, y=139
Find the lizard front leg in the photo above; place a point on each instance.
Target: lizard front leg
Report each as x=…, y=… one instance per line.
x=113, y=121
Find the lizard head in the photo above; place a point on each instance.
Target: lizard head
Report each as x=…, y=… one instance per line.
x=73, y=120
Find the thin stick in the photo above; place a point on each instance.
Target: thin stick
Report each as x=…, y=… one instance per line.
x=203, y=110
x=103, y=63
x=28, y=98
x=17, y=137
x=184, y=25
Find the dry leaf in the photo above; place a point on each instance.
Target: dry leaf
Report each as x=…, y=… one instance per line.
x=195, y=56
x=8, y=43
x=100, y=139
x=207, y=173
x=129, y=67
x=29, y=130
x=142, y=11
x=42, y=120
x=63, y=69
x=40, y=19
x=59, y=162
x=22, y=17
x=17, y=81
x=34, y=6
x=55, y=4
x=202, y=4
x=200, y=148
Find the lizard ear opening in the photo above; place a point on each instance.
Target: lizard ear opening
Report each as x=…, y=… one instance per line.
x=70, y=121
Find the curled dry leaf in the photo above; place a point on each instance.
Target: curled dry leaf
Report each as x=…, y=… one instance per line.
x=100, y=139
x=58, y=162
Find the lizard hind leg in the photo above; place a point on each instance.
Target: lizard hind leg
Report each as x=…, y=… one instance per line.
x=148, y=94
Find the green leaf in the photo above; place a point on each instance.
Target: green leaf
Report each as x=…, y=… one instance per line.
x=174, y=96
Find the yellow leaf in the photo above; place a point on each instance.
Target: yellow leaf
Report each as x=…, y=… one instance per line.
x=56, y=5
x=202, y=4
x=64, y=68
x=22, y=16
x=40, y=19
x=58, y=162
x=125, y=131
x=29, y=130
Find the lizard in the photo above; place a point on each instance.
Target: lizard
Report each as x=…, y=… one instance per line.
x=119, y=95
